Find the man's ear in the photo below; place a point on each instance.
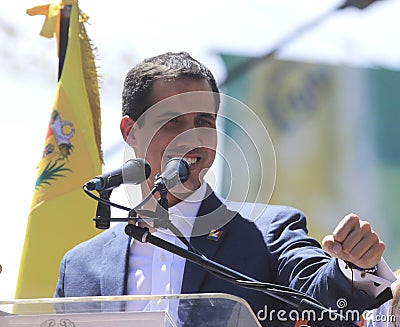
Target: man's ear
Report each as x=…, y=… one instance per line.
x=127, y=127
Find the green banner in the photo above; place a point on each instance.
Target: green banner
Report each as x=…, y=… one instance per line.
x=335, y=131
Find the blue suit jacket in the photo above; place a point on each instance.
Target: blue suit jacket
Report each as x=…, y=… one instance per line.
x=275, y=248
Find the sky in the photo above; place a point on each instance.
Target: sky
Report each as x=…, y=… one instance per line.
x=126, y=32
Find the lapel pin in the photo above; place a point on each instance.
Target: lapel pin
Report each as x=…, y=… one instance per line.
x=214, y=235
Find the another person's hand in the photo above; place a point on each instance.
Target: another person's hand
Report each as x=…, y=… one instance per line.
x=353, y=240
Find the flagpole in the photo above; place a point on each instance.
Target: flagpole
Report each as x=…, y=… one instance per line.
x=250, y=63
x=64, y=27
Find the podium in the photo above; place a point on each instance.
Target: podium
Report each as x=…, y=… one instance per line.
x=213, y=309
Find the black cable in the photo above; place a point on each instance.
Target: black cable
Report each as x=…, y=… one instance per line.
x=107, y=202
x=249, y=284
x=175, y=230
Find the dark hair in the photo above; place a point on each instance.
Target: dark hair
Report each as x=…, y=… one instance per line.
x=169, y=66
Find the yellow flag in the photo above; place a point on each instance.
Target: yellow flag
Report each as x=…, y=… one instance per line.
x=61, y=214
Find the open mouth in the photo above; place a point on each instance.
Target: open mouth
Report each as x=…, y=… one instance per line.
x=191, y=161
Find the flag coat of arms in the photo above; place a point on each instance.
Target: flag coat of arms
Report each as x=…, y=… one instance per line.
x=61, y=214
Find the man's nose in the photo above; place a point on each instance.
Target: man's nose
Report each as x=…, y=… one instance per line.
x=190, y=136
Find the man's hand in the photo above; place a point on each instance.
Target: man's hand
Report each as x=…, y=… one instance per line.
x=353, y=240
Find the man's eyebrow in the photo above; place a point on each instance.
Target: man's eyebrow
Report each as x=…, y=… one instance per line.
x=169, y=114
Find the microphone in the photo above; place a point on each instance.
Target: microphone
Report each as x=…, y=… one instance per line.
x=176, y=171
x=134, y=171
x=360, y=4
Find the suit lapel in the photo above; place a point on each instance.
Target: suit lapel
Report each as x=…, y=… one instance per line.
x=212, y=214
x=115, y=264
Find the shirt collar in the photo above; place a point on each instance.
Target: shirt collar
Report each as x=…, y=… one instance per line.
x=186, y=211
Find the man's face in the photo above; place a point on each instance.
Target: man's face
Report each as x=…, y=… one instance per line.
x=181, y=123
